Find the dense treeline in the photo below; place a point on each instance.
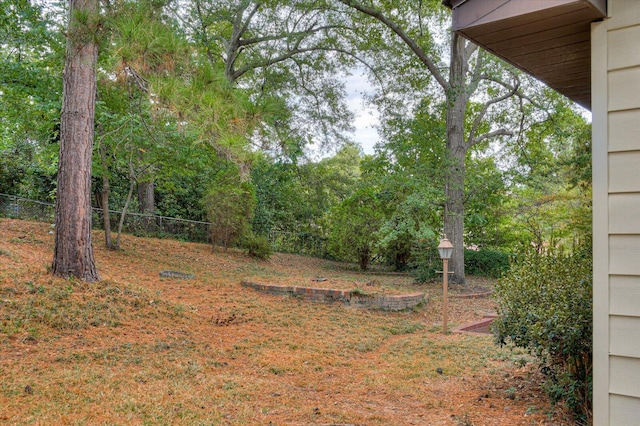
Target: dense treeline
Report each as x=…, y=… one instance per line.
x=207, y=111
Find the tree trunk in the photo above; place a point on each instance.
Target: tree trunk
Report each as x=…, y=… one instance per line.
x=104, y=200
x=146, y=201
x=364, y=257
x=456, y=152
x=123, y=214
x=146, y=197
x=454, y=216
x=73, y=253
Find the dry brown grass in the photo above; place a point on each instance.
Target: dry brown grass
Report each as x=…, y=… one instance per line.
x=140, y=349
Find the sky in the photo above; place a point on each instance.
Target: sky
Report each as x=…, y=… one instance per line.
x=366, y=117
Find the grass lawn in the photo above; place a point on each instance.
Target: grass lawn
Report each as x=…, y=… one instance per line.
x=138, y=348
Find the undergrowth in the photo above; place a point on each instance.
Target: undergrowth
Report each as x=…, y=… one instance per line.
x=545, y=306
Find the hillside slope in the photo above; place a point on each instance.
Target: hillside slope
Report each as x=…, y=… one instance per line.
x=137, y=348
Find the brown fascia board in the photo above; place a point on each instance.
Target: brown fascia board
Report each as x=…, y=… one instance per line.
x=480, y=9
x=601, y=5
x=453, y=3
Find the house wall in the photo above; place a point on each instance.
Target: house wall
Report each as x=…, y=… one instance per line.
x=616, y=201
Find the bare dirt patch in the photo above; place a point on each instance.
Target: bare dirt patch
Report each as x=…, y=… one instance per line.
x=138, y=348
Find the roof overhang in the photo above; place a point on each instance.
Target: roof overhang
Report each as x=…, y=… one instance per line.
x=549, y=39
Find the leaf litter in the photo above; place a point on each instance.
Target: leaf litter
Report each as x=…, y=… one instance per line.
x=138, y=348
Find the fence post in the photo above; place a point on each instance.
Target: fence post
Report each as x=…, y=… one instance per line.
x=15, y=210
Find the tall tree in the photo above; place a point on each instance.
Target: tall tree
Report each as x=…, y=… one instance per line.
x=73, y=253
x=286, y=55
x=31, y=60
x=550, y=199
x=470, y=83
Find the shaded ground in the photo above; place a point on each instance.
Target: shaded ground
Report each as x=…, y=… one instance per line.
x=138, y=348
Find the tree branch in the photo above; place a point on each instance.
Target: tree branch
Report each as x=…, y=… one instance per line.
x=512, y=87
x=469, y=48
x=499, y=132
x=203, y=32
x=245, y=26
x=408, y=40
x=239, y=28
x=472, y=140
x=140, y=81
x=477, y=73
x=297, y=51
x=309, y=31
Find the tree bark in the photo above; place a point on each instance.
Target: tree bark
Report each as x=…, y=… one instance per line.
x=123, y=214
x=146, y=197
x=146, y=202
x=104, y=200
x=456, y=151
x=73, y=252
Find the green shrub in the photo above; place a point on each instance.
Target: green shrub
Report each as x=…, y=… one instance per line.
x=353, y=227
x=545, y=305
x=256, y=246
x=229, y=203
x=425, y=261
x=486, y=263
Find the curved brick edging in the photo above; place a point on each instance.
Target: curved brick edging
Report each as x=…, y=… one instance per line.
x=348, y=297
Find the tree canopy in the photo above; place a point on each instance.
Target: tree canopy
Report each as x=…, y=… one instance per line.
x=198, y=100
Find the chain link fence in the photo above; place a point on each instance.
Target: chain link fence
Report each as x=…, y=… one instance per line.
x=22, y=208
x=144, y=225
x=299, y=243
x=134, y=223
x=161, y=226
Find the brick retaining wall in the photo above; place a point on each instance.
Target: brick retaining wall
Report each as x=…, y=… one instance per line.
x=347, y=297
x=482, y=326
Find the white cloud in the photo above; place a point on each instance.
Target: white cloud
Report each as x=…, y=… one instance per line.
x=366, y=117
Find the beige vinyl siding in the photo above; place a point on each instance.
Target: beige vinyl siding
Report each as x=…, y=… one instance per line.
x=624, y=257
x=617, y=271
x=624, y=130
x=624, y=296
x=601, y=404
x=625, y=376
x=621, y=89
x=624, y=213
x=624, y=411
x=624, y=338
x=623, y=13
x=623, y=47
x=624, y=170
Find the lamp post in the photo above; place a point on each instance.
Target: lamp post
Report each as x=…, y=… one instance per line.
x=445, y=248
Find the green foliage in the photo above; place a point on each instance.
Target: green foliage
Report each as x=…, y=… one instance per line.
x=407, y=171
x=425, y=261
x=550, y=202
x=331, y=180
x=545, y=305
x=281, y=202
x=485, y=220
x=406, y=223
x=31, y=63
x=287, y=66
x=354, y=224
x=256, y=246
x=486, y=263
x=230, y=204
x=293, y=200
